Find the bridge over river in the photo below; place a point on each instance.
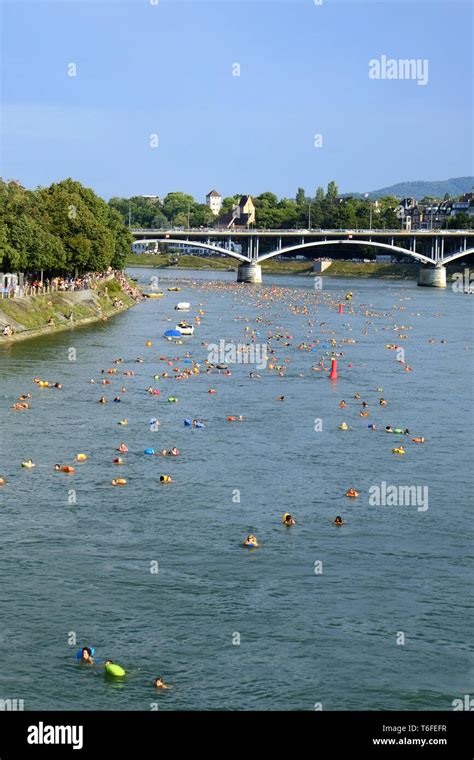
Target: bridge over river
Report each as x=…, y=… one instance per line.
x=433, y=249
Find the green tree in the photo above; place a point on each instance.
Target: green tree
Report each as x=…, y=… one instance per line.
x=201, y=216
x=461, y=221
x=181, y=219
x=300, y=196
x=146, y=213
x=319, y=194
x=177, y=203
x=123, y=239
x=332, y=191
x=266, y=211
x=61, y=228
x=289, y=214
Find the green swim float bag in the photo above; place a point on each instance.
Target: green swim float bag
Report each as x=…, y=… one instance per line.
x=112, y=669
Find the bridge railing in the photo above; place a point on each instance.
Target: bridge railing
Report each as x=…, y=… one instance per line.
x=295, y=231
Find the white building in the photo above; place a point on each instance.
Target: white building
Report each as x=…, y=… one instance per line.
x=214, y=201
x=144, y=247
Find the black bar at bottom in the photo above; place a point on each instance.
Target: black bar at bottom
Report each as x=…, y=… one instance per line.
x=324, y=734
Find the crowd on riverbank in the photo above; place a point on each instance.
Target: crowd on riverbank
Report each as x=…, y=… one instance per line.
x=18, y=315
x=127, y=287
x=33, y=286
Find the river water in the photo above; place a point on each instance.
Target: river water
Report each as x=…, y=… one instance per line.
x=374, y=615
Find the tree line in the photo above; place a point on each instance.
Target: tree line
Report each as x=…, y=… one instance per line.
x=325, y=210
x=64, y=228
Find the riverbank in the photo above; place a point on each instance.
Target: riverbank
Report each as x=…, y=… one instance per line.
x=31, y=316
x=397, y=271
x=158, y=261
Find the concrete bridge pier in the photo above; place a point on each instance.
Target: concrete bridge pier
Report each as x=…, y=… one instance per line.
x=249, y=273
x=433, y=277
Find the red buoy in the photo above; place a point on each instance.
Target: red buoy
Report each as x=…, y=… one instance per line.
x=341, y=310
x=333, y=375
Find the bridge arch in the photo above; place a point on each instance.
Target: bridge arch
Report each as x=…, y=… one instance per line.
x=458, y=255
x=194, y=244
x=385, y=246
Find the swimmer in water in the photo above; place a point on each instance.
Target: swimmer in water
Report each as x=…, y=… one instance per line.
x=388, y=429
x=86, y=656
x=251, y=541
x=111, y=662
x=365, y=404
x=102, y=400
x=123, y=448
x=357, y=396
x=338, y=521
x=288, y=519
x=160, y=684
x=352, y=493
x=280, y=398
x=174, y=452
x=382, y=402
x=342, y=404
x=406, y=432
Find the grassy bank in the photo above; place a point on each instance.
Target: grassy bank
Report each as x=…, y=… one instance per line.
x=185, y=262
x=372, y=269
x=29, y=316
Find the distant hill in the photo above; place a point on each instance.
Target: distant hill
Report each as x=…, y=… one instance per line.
x=419, y=189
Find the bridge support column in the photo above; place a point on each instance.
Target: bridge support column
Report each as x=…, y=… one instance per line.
x=433, y=277
x=249, y=273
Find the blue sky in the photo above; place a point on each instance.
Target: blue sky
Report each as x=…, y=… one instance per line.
x=167, y=69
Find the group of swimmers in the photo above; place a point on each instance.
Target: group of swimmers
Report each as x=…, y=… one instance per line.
x=117, y=671
x=373, y=426
x=251, y=541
